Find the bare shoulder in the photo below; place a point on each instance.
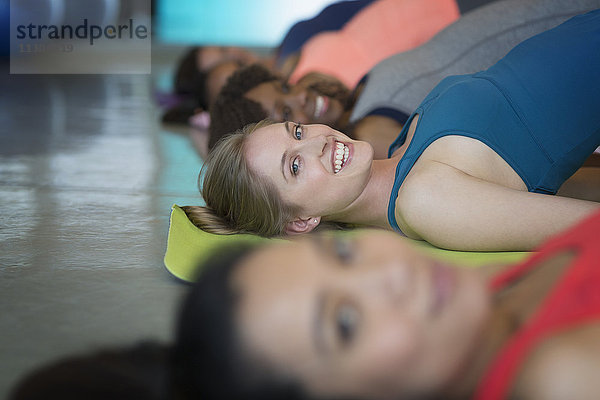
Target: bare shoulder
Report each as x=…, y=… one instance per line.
x=564, y=367
x=422, y=195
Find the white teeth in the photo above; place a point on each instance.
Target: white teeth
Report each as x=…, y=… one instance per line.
x=341, y=156
x=319, y=102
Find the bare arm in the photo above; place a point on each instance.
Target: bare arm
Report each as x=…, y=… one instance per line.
x=453, y=210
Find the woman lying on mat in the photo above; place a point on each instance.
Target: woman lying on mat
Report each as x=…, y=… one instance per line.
x=471, y=169
x=370, y=317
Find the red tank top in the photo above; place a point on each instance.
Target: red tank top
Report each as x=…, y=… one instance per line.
x=573, y=301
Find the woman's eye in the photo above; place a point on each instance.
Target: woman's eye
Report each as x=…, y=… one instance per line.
x=295, y=166
x=298, y=132
x=346, y=321
x=343, y=249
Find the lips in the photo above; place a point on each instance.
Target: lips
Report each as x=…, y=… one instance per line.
x=321, y=106
x=340, y=156
x=443, y=285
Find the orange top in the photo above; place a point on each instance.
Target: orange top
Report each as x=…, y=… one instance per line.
x=574, y=301
x=380, y=30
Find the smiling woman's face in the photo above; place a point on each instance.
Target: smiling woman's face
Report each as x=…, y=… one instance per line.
x=367, y=317
x=314, y=167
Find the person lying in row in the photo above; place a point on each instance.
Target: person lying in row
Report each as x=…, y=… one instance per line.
x=379, y=107
x=203, y=70
x=368, y=317
x=471, y=170
x=371, y=317
x=373, y=31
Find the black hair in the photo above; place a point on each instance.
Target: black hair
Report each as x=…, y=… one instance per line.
x=181, y=113
x=139, y=372
x=209, y=361
x=190, y=81
x=232, y=110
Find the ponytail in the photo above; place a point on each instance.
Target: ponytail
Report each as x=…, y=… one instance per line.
x=206, y=219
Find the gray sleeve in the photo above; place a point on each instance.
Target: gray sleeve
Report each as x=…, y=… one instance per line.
x=473, y=43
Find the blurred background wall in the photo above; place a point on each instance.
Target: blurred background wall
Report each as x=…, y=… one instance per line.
x=258, y=23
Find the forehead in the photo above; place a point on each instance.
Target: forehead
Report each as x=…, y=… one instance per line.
x=267, y=133
x=264, y=149
x=266, y=93
x=279, y=286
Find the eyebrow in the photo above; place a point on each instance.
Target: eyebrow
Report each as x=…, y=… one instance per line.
x=317, y=331
x=285, y=153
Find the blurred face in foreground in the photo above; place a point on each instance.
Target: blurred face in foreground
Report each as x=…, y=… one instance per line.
x=366, y=316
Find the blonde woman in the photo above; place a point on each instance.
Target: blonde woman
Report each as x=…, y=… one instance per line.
x=471, y=170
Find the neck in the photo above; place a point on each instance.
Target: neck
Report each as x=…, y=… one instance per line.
x=370, y=208
x=497, y=330
x=511, y=308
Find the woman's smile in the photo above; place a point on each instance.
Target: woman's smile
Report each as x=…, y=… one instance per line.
x=302, y=160
x=340, y=155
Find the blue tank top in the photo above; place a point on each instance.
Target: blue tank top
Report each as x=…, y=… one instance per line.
x=538, y=108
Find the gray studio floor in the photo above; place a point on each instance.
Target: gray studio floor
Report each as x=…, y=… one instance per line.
x=87, y=178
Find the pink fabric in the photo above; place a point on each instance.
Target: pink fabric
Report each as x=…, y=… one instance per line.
x=573, y=301
x=382, y=29
x=200, y=120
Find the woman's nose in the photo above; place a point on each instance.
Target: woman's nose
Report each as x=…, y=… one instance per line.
x=316, y=143
x=388, y=283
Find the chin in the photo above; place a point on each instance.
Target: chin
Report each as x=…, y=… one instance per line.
x=363, y=157
x=367, y=149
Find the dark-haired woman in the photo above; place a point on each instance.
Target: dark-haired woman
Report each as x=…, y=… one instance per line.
x=370, y=317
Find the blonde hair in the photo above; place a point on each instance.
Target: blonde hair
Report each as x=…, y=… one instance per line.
x=237, y=199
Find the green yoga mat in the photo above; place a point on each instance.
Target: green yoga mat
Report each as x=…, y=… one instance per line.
x=188, y=246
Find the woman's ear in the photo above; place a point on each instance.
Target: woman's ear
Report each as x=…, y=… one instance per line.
x=302, y=225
